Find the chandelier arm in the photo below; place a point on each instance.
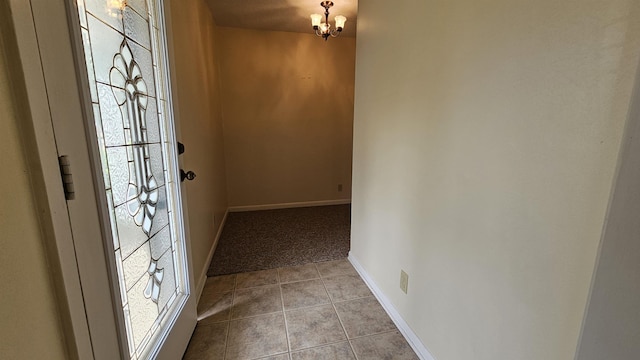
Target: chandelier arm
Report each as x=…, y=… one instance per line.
x=318, y=33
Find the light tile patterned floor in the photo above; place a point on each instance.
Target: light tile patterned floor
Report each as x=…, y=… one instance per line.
x=314, y=311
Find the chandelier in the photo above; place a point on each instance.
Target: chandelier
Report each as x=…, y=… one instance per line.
x=323, y=29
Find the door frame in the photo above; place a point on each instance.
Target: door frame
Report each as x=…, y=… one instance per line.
x=45, y=40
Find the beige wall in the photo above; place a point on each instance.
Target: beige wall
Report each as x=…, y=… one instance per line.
x=288, y=116
x=612, y=324
x=29, y=323
x=486, y=135
x=198, y=112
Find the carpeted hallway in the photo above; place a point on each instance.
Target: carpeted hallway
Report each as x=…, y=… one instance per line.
x=269, y=239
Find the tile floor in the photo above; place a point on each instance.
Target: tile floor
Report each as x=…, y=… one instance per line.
x=314, y=311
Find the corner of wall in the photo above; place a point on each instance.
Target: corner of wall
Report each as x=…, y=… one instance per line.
x=411, y=337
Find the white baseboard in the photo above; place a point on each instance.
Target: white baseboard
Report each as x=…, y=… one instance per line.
x=289, y=205
x=402, y=325
x=203, y=275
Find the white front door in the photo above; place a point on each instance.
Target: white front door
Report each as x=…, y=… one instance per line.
x=126, y=210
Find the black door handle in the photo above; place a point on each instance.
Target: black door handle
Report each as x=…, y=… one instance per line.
x=189, y=175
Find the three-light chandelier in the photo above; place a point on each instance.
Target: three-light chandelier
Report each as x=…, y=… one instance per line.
x=323, y=29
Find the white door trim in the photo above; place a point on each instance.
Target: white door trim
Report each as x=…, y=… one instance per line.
x=44, y=166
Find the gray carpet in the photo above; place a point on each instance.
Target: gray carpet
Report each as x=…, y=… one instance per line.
x=258, y=240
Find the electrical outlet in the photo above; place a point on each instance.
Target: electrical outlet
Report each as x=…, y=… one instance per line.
x=339, y=187
x=404, y=281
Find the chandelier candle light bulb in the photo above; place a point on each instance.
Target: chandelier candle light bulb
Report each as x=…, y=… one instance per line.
x=323, y=29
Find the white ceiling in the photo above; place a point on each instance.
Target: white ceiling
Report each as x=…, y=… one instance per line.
x=280, y=15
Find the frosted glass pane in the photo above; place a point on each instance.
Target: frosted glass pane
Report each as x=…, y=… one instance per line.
x=111, y=116
x=140, y=7
x=143, y=58
x=161, y=218
x=136, y=28
x=105, y=43
x=130, y=234
x=108, y=11
x=120, y=172
x=136, y=265
x=153, y=127
x=143, y=310
x=168, y=284
x=160, y=243
x=157, y=166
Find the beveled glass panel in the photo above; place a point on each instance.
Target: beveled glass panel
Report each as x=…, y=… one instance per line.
x=112, y=219
x=86, y=42
x=118, y=256
x=143, y=58
x=129, y=233
x=142, y=309
x=124, y=53
x=109, y=11
x=161, y=242
x=101, y=145
x=137, y=28
x=157, y=165
x=140, y=6
x=111, y=116
x=105, y=43
x=82, y=13
x=168, y=286
x=129, y=329
x=136, y=265
x=120, y=170
x=153, y=126
x=161, y=218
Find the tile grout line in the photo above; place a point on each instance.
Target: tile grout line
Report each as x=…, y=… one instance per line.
x=233, y=299
x=255, y=316
x=289, y=354
x=337, y=315
x=284, y=315
x=322, y=345
x=355, y=298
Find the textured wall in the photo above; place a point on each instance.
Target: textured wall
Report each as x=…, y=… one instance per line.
x=200, y=122
x=288, y=116
x=30, y=328
x=486, y=136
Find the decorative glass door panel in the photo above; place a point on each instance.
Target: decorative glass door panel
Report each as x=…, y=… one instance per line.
x=124, y=50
